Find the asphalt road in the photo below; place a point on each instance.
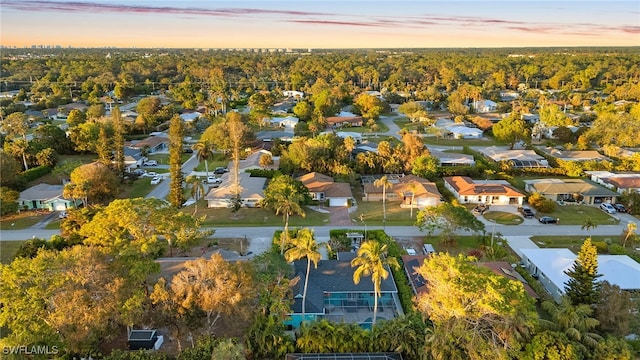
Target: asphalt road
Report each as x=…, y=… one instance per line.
x=161, y=190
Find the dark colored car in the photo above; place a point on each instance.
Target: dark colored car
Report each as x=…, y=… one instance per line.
x=620, y=208
x=220, y=170
x=526, y=212
x=548, y=220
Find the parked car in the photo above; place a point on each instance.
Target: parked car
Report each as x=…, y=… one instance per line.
x=220, y=170
x=150, y=163
x=213, y=180
x=526, y=212
x=188, y=150
x=63, y=215
x=608, y=208
x=480, y=209
x=156, y=180
x=620, y=208
x=548, y=220
x=149, y=174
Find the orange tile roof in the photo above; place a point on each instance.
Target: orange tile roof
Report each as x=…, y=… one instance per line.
x=466, y=186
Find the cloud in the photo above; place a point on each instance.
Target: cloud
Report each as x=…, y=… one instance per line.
x=89, y=7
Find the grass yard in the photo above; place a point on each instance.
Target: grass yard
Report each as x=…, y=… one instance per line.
x=163, y=159
x=139, y=188
x=572, y=242
x=21, y=221
x=373, y=213
x=577, y=214
x=503, y=218
x=254, y=217
x=462, y=246
x=7, y=250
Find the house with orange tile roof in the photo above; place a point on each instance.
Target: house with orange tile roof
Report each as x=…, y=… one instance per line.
x=469, y=191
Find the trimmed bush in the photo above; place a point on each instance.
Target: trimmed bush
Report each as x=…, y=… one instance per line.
x=35, y=173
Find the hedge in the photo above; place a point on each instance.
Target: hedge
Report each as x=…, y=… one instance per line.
x=34, y=173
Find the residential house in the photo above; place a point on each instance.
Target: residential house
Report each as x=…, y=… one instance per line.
x=251, y=191
x=484, y=106
x=516, y=158
x=152, y=143
x=344, y=120
x=357, y=137
x=549, y=266
x=133, y=158
x=285, y=122
x=548, y=131
x=452, y=159
x=619, y=182
x=332, y=294
x=454, y=130
x=507, y=270
x=413, y=191
x=509, y=95
x=570, y=191
x=469, y=191
x=324, y=189
x=253, y=161
x=46, y=197
x=190, y=116
x=284, y=106
x=293, y=94
x=574, y=155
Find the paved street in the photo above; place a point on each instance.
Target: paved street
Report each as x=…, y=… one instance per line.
x=161, y=190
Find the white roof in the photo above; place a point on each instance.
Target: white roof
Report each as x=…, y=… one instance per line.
x=618, y=270
x=346, y=134
x=463, y=130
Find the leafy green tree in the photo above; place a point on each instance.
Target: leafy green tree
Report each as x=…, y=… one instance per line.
x=369, y=106
x=511, y=130
x=284, y=197
x=75, y=118
x=612, y=310
x=51, y=136
x=583, y=286
x=372, y=260
x=196, y=189
x=304, y=246
x=588, y=224
x=139, y=228
x=629, y=232
x=449, y=218
x=214, y=286
x=8, y=201
x=551, y=345
x=303, y=110
x=327, y=337
x=47, y=157
x=425, y=166
x=176, y=134
x=412, y=110
x=95, y=112
x=405, y=334
x=476, y=314
x=85, y=136
x=93, y=183
x=10, y=169
x=267, y=338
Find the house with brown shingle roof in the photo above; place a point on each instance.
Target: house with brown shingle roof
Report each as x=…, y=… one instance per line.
x=469, y=191
x=340, y=121
x=571, y=190
x=324, y=188
x=413, y=191
x=619, y=182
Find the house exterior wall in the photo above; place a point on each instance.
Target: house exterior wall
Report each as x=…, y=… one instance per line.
x=549, y=286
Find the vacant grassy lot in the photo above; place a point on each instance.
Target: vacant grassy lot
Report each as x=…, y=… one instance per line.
x=7, y=250
x=21, y=221
x=138, y=188
x=572, y=242
x=503, y=218
x=462, y=246
x=254, y=217
x=373, y=214
x=577, y=214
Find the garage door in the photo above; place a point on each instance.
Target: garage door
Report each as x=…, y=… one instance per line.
x=338, y=202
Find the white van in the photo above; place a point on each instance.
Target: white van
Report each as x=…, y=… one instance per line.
x=428, y=249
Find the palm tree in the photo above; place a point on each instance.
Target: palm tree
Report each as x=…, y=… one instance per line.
x=204, y=151
x=574, y=320
x=589, y=224
x=283, y=196
x=386, y=184
x=372, y=260
x=304, y=246
x=196, y=189
x=631, y=228
x=412, y=187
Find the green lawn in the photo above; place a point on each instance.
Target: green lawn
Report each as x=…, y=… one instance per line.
x=572, y=242
x=7, y=250
x=373, y=214
x=139, y=188
x=254, y=217
x=462, y=246
x=163, y=159
x=503, y=218
x=577, y=214
x=21, y=221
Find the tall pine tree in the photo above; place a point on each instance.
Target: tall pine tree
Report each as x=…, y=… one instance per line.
x=583, y=286
x=118, y=141
x=176, y=130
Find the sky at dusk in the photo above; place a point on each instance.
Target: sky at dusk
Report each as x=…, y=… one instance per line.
x=319, y=24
